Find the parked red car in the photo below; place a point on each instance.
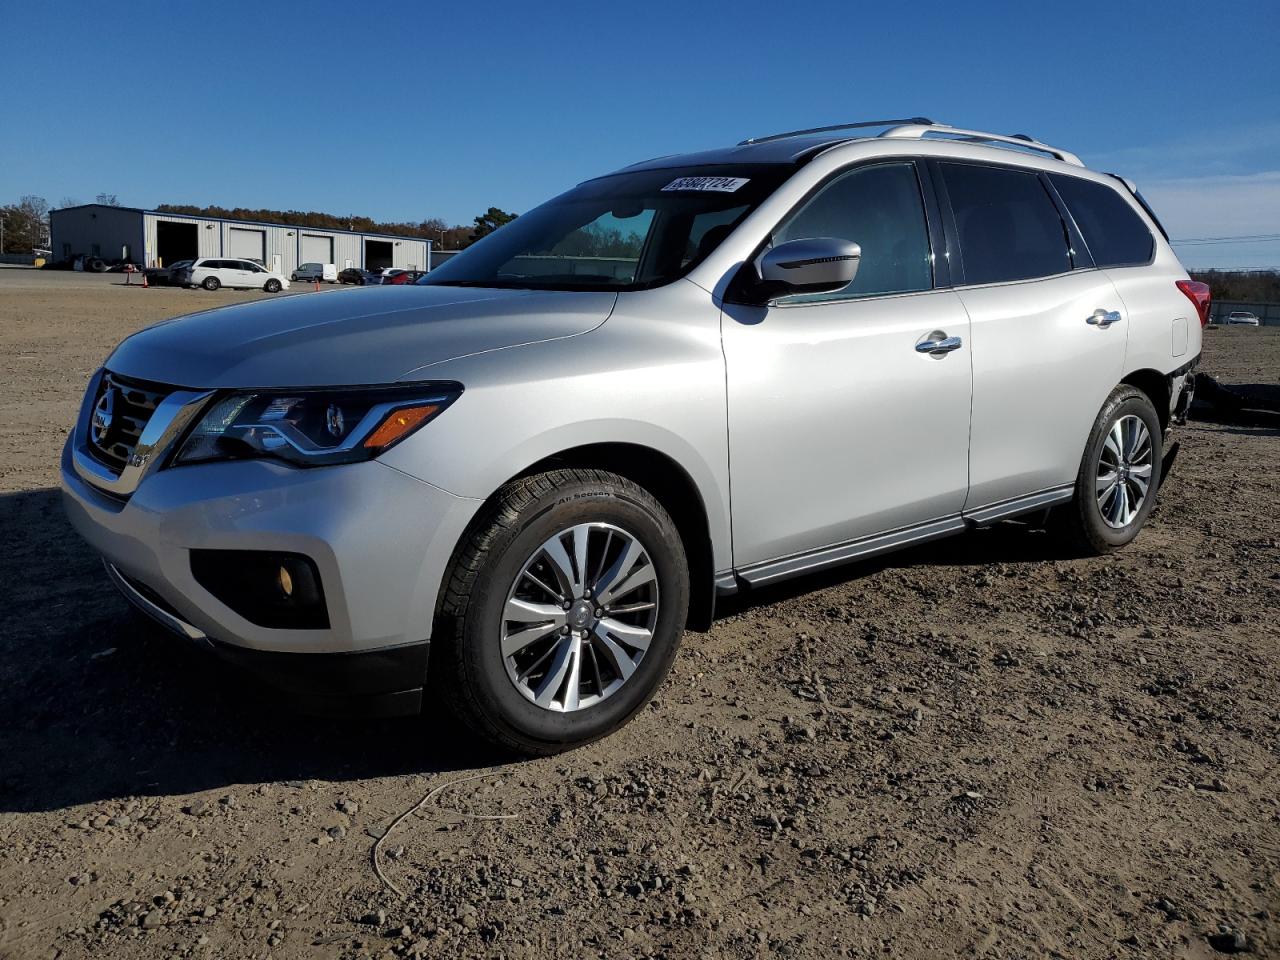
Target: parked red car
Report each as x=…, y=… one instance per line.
x=402, y=276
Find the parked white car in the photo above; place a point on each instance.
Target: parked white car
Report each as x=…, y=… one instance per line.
x=328, y=272
x=212, y=273
x=1242, y=318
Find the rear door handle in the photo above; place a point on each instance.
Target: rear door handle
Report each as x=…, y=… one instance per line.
x=1103, y=318
x=945, y=345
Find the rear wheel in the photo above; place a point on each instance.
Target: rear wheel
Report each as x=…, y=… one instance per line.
x=563, y=611
x=272, y=286
x=211, y=283
x=1119, y=474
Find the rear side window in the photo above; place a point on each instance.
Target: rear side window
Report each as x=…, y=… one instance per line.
x=878, y=207
x=1113, y=230
x=1009, y=225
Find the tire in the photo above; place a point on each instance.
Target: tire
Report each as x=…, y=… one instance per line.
x=1097, y=521
x=469, y=671
x=293, y=277
x=272, y=286
x=211, y=283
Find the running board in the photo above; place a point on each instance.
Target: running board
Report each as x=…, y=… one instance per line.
x=771, y=571
x=1016, y=507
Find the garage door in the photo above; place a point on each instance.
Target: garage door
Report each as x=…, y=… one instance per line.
x=248, y=244
x=316, y=249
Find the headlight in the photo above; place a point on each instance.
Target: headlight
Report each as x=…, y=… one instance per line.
x=313, y=428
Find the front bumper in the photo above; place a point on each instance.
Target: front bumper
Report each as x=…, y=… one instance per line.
x=380, y=539
x=369, y=683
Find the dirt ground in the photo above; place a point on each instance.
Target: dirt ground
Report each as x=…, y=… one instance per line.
x=979, y=748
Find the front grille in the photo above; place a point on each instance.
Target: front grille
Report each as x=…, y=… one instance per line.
x=132, y=405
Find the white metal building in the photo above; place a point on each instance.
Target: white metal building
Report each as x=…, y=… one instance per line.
x=154, y=238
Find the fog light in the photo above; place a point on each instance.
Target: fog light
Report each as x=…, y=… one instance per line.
x=270, y=589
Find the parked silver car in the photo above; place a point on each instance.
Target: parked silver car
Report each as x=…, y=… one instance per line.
x=517, y=482
x=1242, y=318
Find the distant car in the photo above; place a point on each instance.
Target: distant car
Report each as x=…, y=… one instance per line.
x=212, y=273
x=163, y=276
x=352, y=275
x=381, y=275
x=1242, y=318
x=403, y=276
x=327, y=272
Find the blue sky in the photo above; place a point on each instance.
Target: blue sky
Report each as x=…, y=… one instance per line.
x=445, y=109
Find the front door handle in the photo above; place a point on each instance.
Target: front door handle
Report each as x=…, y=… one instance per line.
x=1103, y=318
x=945, y=345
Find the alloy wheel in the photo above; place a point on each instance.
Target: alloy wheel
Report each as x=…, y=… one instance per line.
x=579, y=617
x=1124, y=471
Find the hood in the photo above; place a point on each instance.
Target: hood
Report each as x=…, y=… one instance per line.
x=350, y=337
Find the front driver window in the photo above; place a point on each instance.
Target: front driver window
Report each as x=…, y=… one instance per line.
x=880, y=208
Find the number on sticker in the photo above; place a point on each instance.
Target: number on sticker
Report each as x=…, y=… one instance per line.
x=715, y=184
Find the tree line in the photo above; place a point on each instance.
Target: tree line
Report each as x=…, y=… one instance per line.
x=1261, y=286
x=24, y=226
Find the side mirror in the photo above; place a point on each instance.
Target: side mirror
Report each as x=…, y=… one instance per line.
x=817, y=265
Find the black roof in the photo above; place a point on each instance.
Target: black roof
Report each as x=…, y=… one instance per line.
x=790, y=150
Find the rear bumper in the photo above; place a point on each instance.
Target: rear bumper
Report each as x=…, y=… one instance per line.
x=1182, y=388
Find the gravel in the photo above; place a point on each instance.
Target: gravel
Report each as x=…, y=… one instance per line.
x=983, y=747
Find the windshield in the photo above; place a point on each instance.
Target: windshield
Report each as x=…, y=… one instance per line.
x=629, y=231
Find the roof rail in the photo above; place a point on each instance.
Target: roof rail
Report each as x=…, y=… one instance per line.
x=918, y=131
x=839, y=126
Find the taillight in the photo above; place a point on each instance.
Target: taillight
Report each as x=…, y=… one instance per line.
x=1198, y=294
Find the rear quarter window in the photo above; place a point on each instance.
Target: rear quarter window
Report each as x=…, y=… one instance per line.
x=1114, y=232
x=1009, y=226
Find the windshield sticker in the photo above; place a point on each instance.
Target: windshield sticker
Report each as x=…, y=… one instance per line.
x=715, y=184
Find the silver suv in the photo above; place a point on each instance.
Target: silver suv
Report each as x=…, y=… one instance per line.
x=514, y=484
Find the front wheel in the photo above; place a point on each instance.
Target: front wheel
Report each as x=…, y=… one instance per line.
x=1119, y=474
x=211, y=283
x=563, y=611
x=272, y=286
x=293, y=277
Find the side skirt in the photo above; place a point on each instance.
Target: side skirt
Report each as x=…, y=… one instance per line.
x=772, y=571
x=1020, y=505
